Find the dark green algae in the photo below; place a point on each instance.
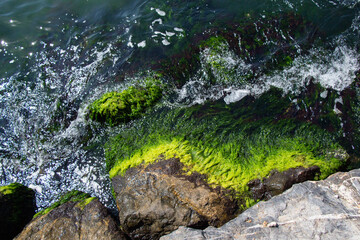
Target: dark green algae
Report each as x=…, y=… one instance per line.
x=268, y=44
x=17, y=206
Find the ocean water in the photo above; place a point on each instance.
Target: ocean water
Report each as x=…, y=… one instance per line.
x=58, y=56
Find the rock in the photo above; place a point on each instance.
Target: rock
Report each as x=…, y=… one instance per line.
x=17, y=207
x=157, y=199
x=326, y=209
x=87, y=219
x=278, y=182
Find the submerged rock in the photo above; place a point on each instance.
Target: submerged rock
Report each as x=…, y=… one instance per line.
x=326, y=209
x=17, y=207
x=157, y=199
x=86, y=219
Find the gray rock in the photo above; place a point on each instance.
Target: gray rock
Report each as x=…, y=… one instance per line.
x=157, y=199
x=326, y=209
x=72, y=221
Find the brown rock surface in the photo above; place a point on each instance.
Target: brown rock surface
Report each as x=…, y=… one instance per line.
x=72, y=221
x=157, y=199
x=278, y=182
x=326, y=209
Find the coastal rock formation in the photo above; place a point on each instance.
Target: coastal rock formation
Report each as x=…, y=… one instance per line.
x=17, y=207
x=326, y=209
x=74, y=220
x=278, y=182
x=157, y=199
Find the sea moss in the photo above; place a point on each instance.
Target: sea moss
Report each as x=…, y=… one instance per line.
x=82, y=204
x=10, y=189
x=120, y=107
x=72, y=196
x=231, y=144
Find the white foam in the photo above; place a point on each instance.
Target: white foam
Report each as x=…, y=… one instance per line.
x=324, y=94
x=36, y=188
x=165, y=42
x=160, y=33
x=178, y=29
x=170, y=34
x=235, y=95
x=338, y=100
x=335, y=70
x=142, y=44
x=160, y=12
x=159, y=21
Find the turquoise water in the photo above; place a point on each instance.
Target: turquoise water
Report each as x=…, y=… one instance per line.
x=57, y=56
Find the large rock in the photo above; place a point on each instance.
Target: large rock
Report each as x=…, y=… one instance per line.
x=87, y=219
x=326, y=209
x=278, y=182
x=157, y=199
x=17, y=207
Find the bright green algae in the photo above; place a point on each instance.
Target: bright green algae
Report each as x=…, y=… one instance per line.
x=231, y=144
x=73, y=196
x=120, y=107
x=10, y=189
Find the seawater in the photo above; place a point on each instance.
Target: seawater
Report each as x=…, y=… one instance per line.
x=58, y=56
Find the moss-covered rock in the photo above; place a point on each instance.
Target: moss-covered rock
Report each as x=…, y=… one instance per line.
x=120, y=107
x=75, y=216
x=156, y=199
x=17, y=207
x=72, y=196
x=230, y=144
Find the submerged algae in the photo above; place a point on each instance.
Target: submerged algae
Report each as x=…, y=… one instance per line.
x=242, y=51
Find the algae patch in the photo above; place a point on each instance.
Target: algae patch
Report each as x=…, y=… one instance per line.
x=72, y=196
x=10, y=189
x=231, y=144
x=120, y=107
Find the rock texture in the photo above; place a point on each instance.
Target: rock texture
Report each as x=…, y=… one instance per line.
x=71, y=221
x=326, y=209
x=157, y=199
x=17, y=207
x=278, y=182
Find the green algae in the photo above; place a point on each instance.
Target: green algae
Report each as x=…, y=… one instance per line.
x=82, y=204
x=120, y=107
x=231, y=144
x=219, y=61
x=10, y=189
x=72, y=196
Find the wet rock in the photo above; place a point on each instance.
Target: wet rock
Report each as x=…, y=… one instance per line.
x=278, y=182
x=87, y=219
x=157, y=199
x=326, y=209
x=17, y=207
